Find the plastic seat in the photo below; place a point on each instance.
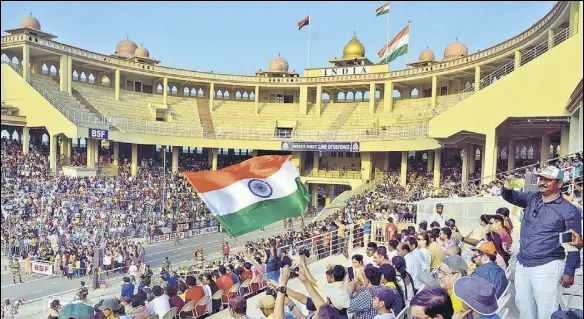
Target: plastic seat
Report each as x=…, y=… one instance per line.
x=170, y=314
x=218, y=296
x=230, y=294
x=202, y=303
x=503, y=301
x=246, y=285
x=187, y=309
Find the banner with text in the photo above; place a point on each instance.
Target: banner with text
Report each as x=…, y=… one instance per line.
x=203, y=231
x=168, y=237
x=42, y=268
x=184, y=234
x=322, y=146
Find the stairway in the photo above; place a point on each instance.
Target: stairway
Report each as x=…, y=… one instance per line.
x=206, y=119
x=343, y=116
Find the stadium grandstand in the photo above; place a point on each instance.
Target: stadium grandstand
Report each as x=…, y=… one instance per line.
x=416, y=179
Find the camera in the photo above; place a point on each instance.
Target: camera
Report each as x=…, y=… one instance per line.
x=294, y=272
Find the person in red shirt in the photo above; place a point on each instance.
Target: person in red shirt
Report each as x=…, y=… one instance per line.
x=390, y=229
x=224, y=282
x=226, y=252
x=246, y=272
x=194, y=293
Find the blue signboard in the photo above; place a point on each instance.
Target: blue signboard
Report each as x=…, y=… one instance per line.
x=98, y=134
x=322, y=146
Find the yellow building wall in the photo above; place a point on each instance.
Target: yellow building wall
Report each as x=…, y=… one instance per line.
x=375, y=68
x=539, y=88
x=340, y=162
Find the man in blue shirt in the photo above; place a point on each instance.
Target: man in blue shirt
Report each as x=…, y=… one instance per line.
x=485, y=258
x=541, y=270
x=127, y=288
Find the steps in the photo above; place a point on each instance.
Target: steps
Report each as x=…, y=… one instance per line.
x=206, y=119
x=342, y=117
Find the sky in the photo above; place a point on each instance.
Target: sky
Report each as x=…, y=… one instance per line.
x=242, y=37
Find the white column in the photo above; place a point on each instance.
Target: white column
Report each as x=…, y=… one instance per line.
x=212, y=96
x=490, y=157
x=63, y=74
x=404, y=168
x=564, y=141
x=371, y=98
x=175, y=159
x=472, y=162
x=25, y=60
x=53, y=158
x=164, y=90
x=117, y=85
x=134, y=167
x=477, y=78
x=69, y=75
x=89, y=145
x=430, y=166
x=25, y=140
x=465, y=156
x=437, y=166
x=116, y=161
x=544, y=156
x=511, y=154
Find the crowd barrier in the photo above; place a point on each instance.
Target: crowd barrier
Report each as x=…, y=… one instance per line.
x=183, y=234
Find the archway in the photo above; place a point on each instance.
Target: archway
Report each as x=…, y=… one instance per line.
x=245, y=96
x=83, y=77
x=53, y=70
x=186, y=91
x=396, y=94
x=75, y=75
x=252, y=96
x=414, y=93
x=91, y=78
x=238, y=95
x=44, y=69
x=325, y=97
x=105, y=81
x=159, y=89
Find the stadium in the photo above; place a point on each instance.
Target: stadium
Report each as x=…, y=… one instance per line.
x=87, y=136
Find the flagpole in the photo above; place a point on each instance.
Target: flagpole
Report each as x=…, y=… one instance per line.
x=387, y=38
x=409, y=42
x=309, y=23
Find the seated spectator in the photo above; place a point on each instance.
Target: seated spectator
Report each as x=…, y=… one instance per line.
x=485, y=258
x=478, y=297
x=238, y=308
x=109, y=308
x=452, y=268
x=389, y=280
x=361, y=305
x=232, y=274
x=453, y=251
x=194, y=292
x=446, y=238
x=173, y=299
x=383, y=302
x=336, y=291
x=160, y=304
x=210, y=288
x=136, y=309
x=432, y=304
x=246, y=271
x=224, y=282
x=370, y=252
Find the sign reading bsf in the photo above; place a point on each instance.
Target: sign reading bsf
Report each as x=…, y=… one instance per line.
x=169, y=237
x=97, y=133
x=42, y=268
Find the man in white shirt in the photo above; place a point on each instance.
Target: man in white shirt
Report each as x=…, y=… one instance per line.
x=413, y=258
x=160, y=304
x=438, y=216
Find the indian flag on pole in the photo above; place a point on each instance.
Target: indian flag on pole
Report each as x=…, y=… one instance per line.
x=396, y=47
x=382, y=10
x=252, y=194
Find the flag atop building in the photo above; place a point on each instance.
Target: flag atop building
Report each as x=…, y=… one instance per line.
x=304, y=22
x=396, y=47
x=382, y=10
x=252, y=194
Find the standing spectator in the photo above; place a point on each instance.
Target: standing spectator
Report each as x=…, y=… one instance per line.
x=383, y=300
x=127, y=288
x=541, y=269
x=438, y=216
x=160, y=304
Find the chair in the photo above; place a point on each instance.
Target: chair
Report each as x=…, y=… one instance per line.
x=257, y=283
x=505, y=293
x=402, y=314
x=246, y=285
x=503, y=314
x=187, y=308
x=170, y=314
x=503, y=301
x=218, y=296
x=155, y=316
x=508, y=272
x=202, y=303
x=232, y=291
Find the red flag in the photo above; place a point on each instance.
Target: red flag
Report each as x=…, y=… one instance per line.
x=304, y=22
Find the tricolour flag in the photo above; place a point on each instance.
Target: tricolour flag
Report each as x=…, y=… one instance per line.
x=304, y=22
x=382, y=10
x=396, y=47
x=252, y=194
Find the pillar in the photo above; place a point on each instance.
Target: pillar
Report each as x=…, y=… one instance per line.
x=477, y=78
x=25, y=61
x=68, y=148
x=371, y=97
x=303, y=107
x=116, y=160
x=573, y=140
x=90, y=146
x=257, y=98
x=215, y=153
x=63, y=74
x=69, y=75
x=366, y=165
x=117, y=85
x=517, y=62
x=544, y=155
x=388, y=97
x=437, y=166
x=319, y=99
x=297, y=161
x=53, y=153
x=329, y=194
x=25, y=140
x=472, y=158
x=175, y=159
x=564, y=141
x=212, y=96
x=434, y=91
x=62, y=146
x=134, y=167
x=430, y=164
x=97, y=147
x=511, y=155
x=385, y=158
x=316, y=162
x=575, y=8
x=404, y=168
x=551, y=38
x=490, y=157
x=164, y=90
x=465, y=151
x=314, y=198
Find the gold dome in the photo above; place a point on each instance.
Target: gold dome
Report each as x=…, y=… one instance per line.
x=142, y=52
x=455, y=50
x=126, y=48
x=278, y=65
x=427, y=55
x=354, y=49
x=30, y=22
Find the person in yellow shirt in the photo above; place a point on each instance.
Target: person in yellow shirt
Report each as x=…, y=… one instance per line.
x=452, y=268
x=437, y=254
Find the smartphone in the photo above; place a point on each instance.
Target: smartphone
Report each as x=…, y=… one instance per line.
x=351, y=273
x=566, y=238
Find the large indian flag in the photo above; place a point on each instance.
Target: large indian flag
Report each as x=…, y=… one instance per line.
x=252, y=194
x=396, y=47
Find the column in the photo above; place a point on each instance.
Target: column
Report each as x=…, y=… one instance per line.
x=517, y=62
x=212, y=96
x=434, y=91
x=329, y=194
x=175, y=159
x=575, y=8
x=472, y=158
x=437, y=166
x=68, y=148
x=116, y=161
x=25, y=61
x=490, y=157
x=388, y=97
x=117, y=85
x=63, y=74
x=303, y=107
x=257, y=98
x=564, y=141
x=544, y=156
x=164, y=90
x=214, y=159
x=465, y=151
x=90, y=146
x=25, y=140
x=314, y=198
x=134, y=167
x=319, y=99
x=316, y=162
x=366, y=166
x=551, y=36
x=62, y=146
x=477, y=78
x=297, y=161
x=574, y=126
x=511, y=154
x=404, y=168
x=385, y=157
x=371, y=97
x=430, y=164
x=53, y=153
x=97, y=148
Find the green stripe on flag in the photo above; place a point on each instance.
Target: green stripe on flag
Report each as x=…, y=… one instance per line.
x=399, y=52
x=382, y=12
x=266, y=212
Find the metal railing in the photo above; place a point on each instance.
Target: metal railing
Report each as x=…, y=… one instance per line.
x=333, y=174
x=502, y=71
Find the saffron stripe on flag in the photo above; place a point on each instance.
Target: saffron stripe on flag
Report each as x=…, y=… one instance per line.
x=402, y=33
x=304, y=22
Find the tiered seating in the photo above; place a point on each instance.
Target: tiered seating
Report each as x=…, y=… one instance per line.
x=329, y=113
x=240, y=114
x=53, y=87
x=184, y=110
x=411, y=111
x=361, y=119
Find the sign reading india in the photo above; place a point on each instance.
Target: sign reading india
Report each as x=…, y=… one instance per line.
x=354, y=70
x=322, y=146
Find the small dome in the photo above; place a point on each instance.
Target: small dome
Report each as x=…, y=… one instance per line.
x=427, y=55
x=126, y=48
x=142, y=52
x=455, y=50
x=354, y=49
x=278, y=65
x=30, y=22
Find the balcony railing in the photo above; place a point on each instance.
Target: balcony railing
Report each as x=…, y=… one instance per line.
x=334, y=174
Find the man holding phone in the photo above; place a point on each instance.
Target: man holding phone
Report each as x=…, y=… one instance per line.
x=542, y=272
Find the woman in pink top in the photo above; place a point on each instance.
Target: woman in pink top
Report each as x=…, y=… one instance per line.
x=258, y=269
